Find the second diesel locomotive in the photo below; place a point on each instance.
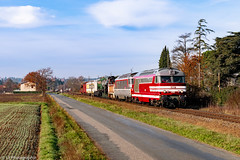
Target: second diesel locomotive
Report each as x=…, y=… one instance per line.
x=123, y=86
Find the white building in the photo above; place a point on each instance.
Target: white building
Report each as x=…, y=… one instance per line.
x=28, y=86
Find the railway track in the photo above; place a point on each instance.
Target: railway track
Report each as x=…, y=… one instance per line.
x=205, y=114
x=220, y=116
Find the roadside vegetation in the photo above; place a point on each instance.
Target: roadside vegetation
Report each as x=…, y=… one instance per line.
x=225, y=141
x=48, y=147
x=73, y=142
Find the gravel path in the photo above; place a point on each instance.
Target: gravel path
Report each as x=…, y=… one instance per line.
x=123, y=138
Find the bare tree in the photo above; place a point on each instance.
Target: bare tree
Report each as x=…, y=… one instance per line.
x=10, y=85
x=181, y=55
x=44, y=73
x=182, y=50
x=75, y=83
x=40, y=78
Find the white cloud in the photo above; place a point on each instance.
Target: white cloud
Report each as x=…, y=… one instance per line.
x=22, y=17
x=134, y=13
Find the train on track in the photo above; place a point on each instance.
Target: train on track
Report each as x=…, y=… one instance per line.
x=159, y=87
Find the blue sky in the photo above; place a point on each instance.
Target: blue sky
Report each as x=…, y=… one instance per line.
x=101, y=37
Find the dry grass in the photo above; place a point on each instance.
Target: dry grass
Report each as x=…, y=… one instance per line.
x=67, y=150
x=225, y=110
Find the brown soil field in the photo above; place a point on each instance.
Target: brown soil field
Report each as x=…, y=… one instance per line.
x=212, y=124
x=19, y=131
x=26, y=97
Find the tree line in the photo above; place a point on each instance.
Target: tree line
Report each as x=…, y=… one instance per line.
x=211, y=70
x=45, y=81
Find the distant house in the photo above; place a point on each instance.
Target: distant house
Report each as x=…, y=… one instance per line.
x=28, y=86
x=2, y=88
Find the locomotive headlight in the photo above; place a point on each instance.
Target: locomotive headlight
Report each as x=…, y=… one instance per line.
x=164, y=91
x=181, y=91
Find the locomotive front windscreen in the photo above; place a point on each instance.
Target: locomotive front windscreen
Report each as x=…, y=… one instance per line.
x=166, y=79
x=174, y=79
x=122, y=85
x=178, y=79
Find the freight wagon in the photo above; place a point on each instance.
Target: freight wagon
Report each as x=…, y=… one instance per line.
x=111, y=86
x=91, y=87
x=83, y=89
x=101, y=87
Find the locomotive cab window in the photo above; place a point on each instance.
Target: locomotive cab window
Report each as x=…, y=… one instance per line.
x=178, y=79
x=166, y=79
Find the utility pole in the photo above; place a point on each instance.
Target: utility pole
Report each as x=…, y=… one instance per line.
x=168, y=65
x=219, y=82
x=199, y=63
x=91, y=86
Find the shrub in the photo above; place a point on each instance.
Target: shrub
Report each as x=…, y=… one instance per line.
x=220, y=98
x=233, y=100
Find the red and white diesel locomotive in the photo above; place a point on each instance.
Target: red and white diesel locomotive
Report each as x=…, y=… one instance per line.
x=160, y=87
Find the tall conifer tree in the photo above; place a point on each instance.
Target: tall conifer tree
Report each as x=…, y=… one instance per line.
x=164, y=61
x=200, y=44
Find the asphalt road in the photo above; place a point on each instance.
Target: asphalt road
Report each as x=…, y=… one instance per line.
x=123, y=138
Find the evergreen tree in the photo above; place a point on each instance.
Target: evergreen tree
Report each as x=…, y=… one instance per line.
x=164, y=61
x=224, y=61
x=200, y=43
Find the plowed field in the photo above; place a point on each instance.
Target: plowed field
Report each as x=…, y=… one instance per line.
x=26, y=97
x=19, y=131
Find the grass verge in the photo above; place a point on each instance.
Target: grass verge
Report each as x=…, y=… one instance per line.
x=225, y=141
x=73, y=142
x=48, y=148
